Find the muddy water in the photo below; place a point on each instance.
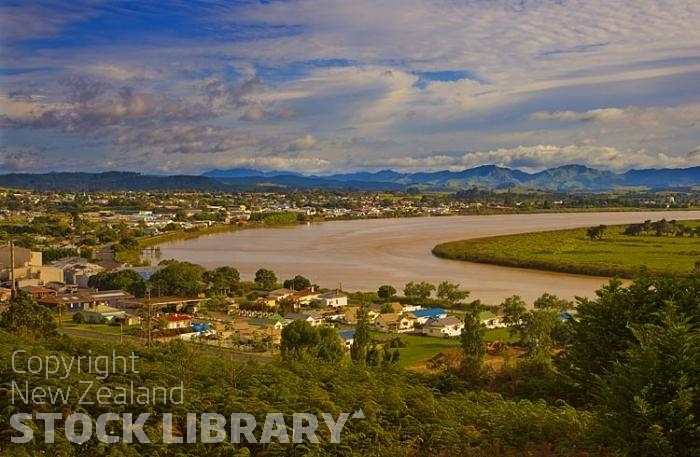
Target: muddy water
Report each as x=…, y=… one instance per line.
x=362, y=255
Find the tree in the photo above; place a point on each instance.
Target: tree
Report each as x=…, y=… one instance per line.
x=385, y=292
x=652, y=396
x=178, y=278
x=418, y=291
x=596, y=233
x=265, y=279
x=450, y=293
x=223, y=279
x=514, y=309
x=297, y=283
x=299, y=336
x=602, y=331
x=473, y=344
x=26, y=318
x=127, y=280
x=537, y=330
x=330, y=346
x=361, y=339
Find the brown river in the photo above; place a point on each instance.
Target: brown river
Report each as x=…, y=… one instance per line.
x=364, y=254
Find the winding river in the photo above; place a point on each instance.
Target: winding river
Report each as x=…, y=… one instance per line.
x=362, y=255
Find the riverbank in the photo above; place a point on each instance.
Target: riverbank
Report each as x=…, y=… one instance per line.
x=572, y=251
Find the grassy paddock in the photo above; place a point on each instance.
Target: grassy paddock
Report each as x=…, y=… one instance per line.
x=570, y=251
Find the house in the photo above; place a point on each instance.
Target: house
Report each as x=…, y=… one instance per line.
x=446, y=327
x=394, y=323
x=423, y=315
x=313, y=318
x=304, y=297
x=491, y=320
x=394, y=307
x=175, y=321
x=348, y=337
x=334, y=299
x=275, y=321
x=351, y=315
x=243, y=331
x=103, y=313
x=279, y=294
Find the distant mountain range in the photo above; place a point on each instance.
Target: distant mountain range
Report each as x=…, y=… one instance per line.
x=567, y=178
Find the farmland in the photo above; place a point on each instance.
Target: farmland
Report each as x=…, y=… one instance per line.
x=614, y=253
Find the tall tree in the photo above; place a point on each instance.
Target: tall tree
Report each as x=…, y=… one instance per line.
x=361, y=340
x=450, y=293
x=265, y=279
x=418, y=291
x=385, y=292
x=127, y=280
x=297, y=337
x=26, y=318
x=298, y=282
x=514, y=310
x=473, y=343
x=178, y=278
x=652, y=397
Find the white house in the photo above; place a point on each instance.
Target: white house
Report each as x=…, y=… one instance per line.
x=315, y=319
x=334, y=299
x=445, y=327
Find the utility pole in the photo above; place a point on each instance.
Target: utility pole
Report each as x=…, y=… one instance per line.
x=149, y=324
x=13, y=289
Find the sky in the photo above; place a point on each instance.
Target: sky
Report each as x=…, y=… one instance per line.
x=326, y=86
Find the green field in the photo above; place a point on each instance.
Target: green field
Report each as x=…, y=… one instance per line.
x=419, y=349
x=571, y=251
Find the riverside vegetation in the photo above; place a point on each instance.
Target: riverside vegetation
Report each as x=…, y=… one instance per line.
x=660, y=247
x=619, y=379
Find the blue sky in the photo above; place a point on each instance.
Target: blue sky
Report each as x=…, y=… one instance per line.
x=326, y=86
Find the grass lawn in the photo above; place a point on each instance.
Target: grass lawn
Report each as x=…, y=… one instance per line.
x=570, y=251
x=420, y=349
x=103, y=328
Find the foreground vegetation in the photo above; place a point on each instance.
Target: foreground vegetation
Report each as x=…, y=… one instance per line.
x=618, y=380
x=599, y=251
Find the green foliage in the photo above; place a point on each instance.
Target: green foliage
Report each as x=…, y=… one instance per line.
x=275, y=218
x=514, y=310
x=450, y=293
x=405, y=414
x=78, y=318
x=361, y=340
x=127, y=280
x=265, y=279
x=473, y=343
x=178, y=278
x=26, y=318
x=652, y=396
x=597, y=232
x=418, y=291
x=299, y=336
x=385, y=292
x=223, y=279
x=571, y=251
x=297, y=283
